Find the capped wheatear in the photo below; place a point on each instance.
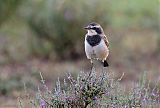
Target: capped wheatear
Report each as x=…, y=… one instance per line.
x=96, y=44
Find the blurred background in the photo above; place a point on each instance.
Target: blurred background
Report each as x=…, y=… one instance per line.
x=47, y=36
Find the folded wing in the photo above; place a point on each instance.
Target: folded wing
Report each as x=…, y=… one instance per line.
x=105, y=40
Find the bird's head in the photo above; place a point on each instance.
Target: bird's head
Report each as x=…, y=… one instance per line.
x=94, y=29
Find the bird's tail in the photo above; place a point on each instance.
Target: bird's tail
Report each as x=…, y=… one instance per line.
x=105, y=63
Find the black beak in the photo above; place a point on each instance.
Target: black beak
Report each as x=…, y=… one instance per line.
x=87, y=28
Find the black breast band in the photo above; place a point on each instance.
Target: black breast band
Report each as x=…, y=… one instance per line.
x=93, y=40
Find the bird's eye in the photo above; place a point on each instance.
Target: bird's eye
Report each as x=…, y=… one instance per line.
x=94, y=28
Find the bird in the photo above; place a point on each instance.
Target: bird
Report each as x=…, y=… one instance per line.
x=96, y=43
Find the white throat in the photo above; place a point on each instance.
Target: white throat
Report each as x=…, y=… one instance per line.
x=92, y=32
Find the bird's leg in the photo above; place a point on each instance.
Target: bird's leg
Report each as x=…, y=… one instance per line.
x=91, y=64
x=90, y=70
x=91, y=67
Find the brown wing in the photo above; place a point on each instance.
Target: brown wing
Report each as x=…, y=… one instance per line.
x=106, y=40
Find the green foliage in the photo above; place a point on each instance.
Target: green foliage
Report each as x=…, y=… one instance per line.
x=61, y=22
x=7, y=7
x=57, y=25
x=134, y=14
x=15, y=41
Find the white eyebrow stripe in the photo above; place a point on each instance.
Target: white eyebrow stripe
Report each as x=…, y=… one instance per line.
x=97, y=26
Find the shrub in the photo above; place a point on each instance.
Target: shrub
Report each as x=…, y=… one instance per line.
x=90, y=90
x=7, y=7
